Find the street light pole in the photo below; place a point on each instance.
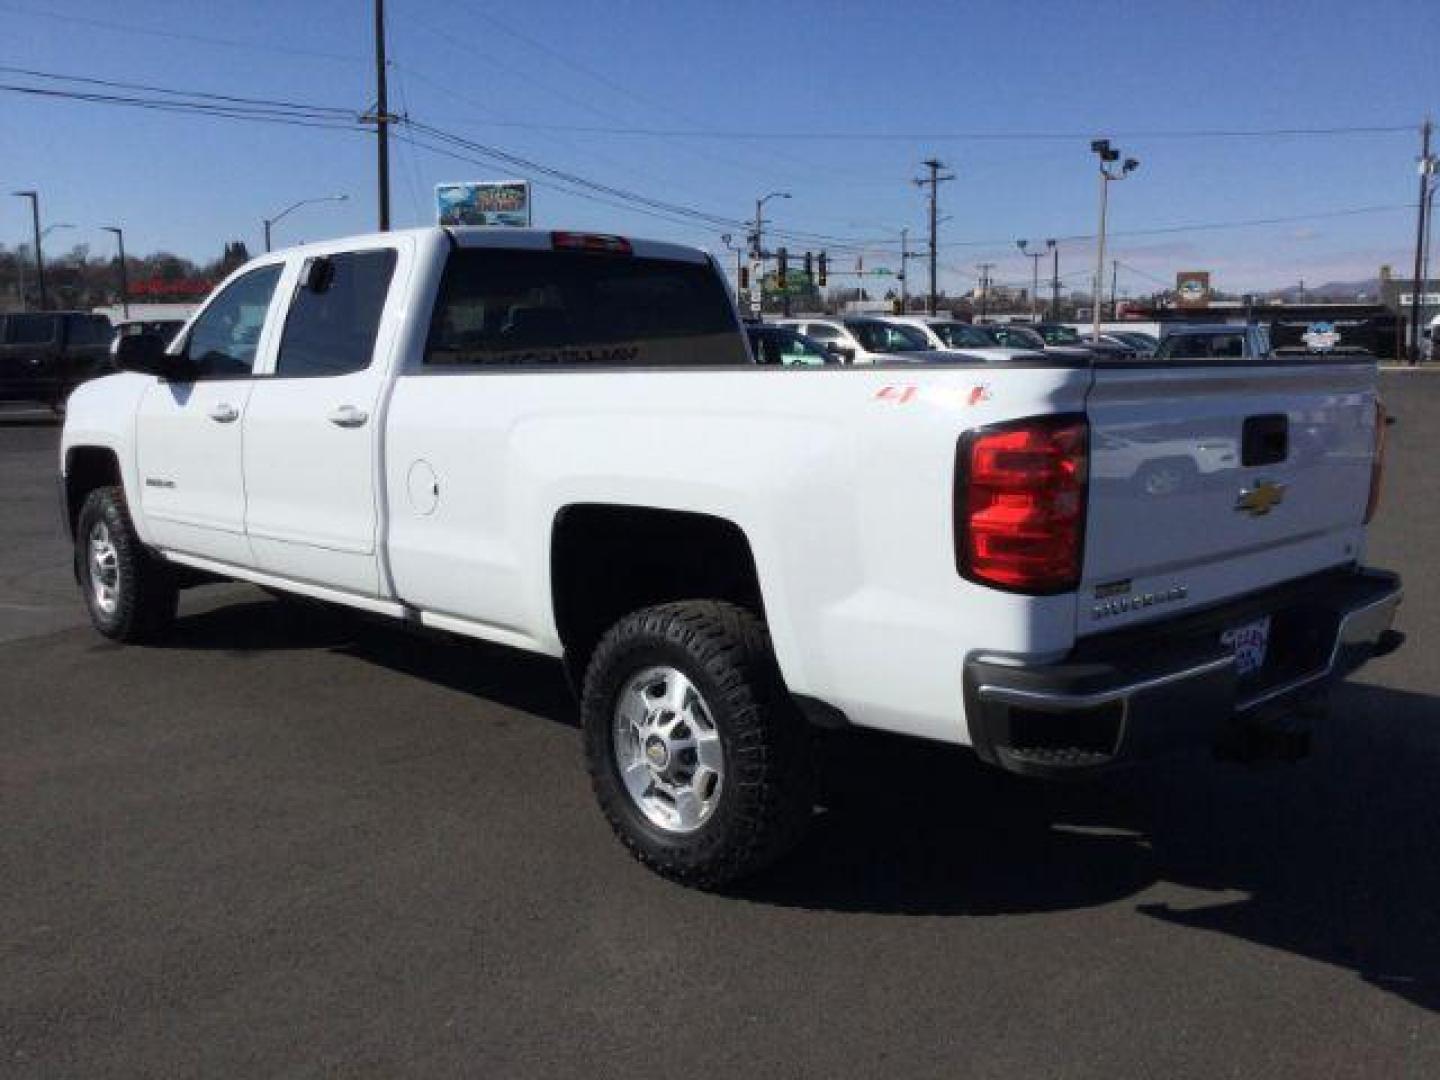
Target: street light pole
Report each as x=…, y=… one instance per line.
x=124, y=276
x=270, y=221
x=1034, y=257
x=1107, y=155
x=34, y=197
x=757, y=250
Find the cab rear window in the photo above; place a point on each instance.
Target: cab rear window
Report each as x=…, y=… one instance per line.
x=501, y=308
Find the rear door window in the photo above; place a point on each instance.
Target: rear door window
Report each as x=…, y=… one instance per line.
x=88, y=330
x=22, y=329
x=502, y=308
x=335, y=315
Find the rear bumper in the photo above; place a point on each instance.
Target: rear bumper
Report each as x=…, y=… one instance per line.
x=1167, y=686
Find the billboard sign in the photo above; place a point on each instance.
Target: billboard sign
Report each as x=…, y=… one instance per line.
x=1192, y=288
x=505, y=204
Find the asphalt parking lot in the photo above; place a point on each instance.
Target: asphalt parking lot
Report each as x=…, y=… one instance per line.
x=294, y=843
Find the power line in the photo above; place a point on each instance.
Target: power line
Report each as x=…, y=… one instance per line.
x=210, y=109
x=114, y=84
x=176, y=35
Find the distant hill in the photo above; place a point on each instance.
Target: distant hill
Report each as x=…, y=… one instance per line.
x=1351, y=291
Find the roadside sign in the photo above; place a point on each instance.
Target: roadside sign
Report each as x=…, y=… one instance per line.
x=504, y=203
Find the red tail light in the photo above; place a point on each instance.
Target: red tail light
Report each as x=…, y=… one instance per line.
x=1377, y=465
x=1020, y=504
x=600, y=243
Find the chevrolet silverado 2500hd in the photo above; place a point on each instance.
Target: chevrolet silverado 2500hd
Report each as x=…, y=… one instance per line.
x=560, y=442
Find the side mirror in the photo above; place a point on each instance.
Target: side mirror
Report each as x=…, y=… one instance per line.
x=145, y=354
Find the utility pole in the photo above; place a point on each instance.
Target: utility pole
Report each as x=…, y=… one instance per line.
x=757, y=249
x=1034, y=257
x=34, y=197
x=124, y=277
x=985, y=269
x=1114, y=274
x=382, y=119
x=933, y=181
x=904, y=272
x=1427, y=172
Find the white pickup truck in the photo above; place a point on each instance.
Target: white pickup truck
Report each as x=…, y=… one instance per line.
x=560, y=442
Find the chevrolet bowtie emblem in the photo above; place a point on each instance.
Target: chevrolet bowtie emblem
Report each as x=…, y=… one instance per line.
x=1259, y=500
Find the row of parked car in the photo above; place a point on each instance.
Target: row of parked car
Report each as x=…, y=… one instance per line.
x=46, y=354
x=868, y=339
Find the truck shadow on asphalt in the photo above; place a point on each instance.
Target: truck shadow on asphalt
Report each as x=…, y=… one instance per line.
x=1333, y=858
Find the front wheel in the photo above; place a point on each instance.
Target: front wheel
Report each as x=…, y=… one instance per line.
x=698, y=758
x=131, y=596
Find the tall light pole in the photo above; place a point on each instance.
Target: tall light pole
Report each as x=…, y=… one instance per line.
x=34, y=197
x=271, y=221
x=124, y=277
x=757, y=246
x=738, y=249
x=1054, y=248
x=1427, y=179
x=1102, y=149
x=1034, y=257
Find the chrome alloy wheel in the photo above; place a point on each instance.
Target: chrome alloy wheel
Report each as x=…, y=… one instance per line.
x=104, y=562
x=668, y=750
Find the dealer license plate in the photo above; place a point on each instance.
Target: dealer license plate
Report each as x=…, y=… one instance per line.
x=1248, y=642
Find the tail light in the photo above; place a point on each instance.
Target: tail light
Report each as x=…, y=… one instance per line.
x=1020, y=504
x=600, y=243
x=1377, y=464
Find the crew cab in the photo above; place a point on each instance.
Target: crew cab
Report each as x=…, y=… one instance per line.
x=45, y=354
x=560, y=442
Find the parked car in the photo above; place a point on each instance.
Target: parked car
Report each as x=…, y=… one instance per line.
x=560, y=442
x=868, y=340
x=1143, y=343
x=781, y=345
x=1058, y=335
x=44, y=355
x=164, y=329
x=1219, y=342
x=1018, y=336
x=951, y=334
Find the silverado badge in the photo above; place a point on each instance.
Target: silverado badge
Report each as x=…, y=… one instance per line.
x=1259, y=500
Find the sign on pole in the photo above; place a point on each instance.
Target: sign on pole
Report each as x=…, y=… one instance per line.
x=504, y=203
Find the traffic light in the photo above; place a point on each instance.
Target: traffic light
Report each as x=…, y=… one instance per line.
x=809, y=269
x=823, y=269
x=744, y=277
x=782, y=264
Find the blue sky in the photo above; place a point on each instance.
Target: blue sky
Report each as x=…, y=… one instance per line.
x=902, y=80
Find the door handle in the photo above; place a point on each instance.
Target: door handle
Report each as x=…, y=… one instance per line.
x=224, y=412
x=348, y=416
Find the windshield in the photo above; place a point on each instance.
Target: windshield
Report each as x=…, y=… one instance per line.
x=881, y=337
x=1059, y=335
x=772, y=345
x=1017, y=337
x=962, y=336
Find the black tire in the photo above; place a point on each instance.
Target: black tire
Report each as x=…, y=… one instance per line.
x=145, y=592
x=767, y=797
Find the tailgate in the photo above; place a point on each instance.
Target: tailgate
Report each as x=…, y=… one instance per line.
x=1209, y=483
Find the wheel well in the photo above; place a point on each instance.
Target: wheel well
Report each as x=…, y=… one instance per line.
x=87, y=468
x=607, y=561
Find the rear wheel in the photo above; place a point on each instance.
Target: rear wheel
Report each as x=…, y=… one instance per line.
x=131, y=596
x=698, y=758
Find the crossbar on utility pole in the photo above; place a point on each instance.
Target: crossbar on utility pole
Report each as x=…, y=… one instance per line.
x=933, y=182
x=1427, y=171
